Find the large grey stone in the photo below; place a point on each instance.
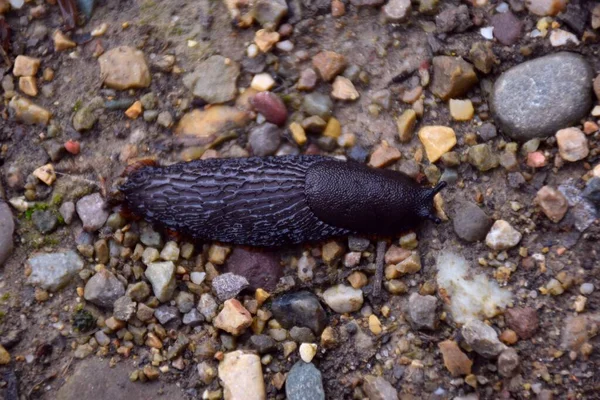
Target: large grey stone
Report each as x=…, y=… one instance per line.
x=541, y=96
x=103, y=289
x=214, y=80
x=52, y=271
x=7, y=228
x=470, y=222
x=304, y=382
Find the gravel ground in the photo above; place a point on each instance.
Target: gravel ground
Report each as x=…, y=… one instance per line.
x=498, y=99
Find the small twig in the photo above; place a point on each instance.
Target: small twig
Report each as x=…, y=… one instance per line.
x=379, y=263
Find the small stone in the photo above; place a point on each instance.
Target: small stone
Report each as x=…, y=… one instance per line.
x=471, y=223
x=437, y=140
x=482, y=339
x=164, y=119
x=92, y=212
x=559, y=37
x=343, y=89
x=552, y=202
x=26, y=66
x=269, y=13
x=28, y=85
x=62, y=42
x=53, y=271
x=227, y=286
x=375, y=325
x=453, y=19
x=185, y=302
x=507, y=28
x=537, y=159
x=45, y=174
x=300, y=309
x=264, y=139
x=217, y=254
x=304, y=382
x=329, y=64
x=170, y=252
x=124, y=68
x=482, y=157
x=377, y=388
x=482, y=56
x=265, y=40
x=343, y=299
x=165, y=314
x=502, y=236
x=298, y=133
x=545, y=8
x=333, y=129
x=270, y=106
x=455, y=360
x=262, y=82
x=103, y=289
x=29, y=112
x=302, y=334
x=384, y=155
x=308, y=351
x=421, y=310
x=461, y=110
x=45, y=221
x=124, y=308
x=406, y=125
x=208, y=306
x=7, y=228
x=214, y=80
x=193, y=318
x=331, y=251
x=508, y=363
x=261, y=269
x=452, y=77
x=134, y=111
x=509, y=337
x=572, y=144
x=396, y=10
x=86, y=116
x=538, y=97
x=358, y=280
x=317, y=104
x=523, y=320
x=138, y=291
x=308, y=79
x=162, y=278
x=338, y=9
x=233, y=318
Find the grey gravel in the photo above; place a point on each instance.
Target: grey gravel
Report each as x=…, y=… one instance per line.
x=193, y=318
x=228, y=285
x=185, y=301
x=52, y=271
x=421, y=310
x=317, y=104
x=92, y=212
x=304, y=382
x=124, y=308
x=482, y=338
x=470, y=222
x=539, y=97
x=103, y=289
x=165, y=314
x=214, y=80
x=300, y=309
x=264, y=139
x=7, y=228
x=377, y=388
x=45, y=221
x=302, y=334
x=67, y=211
x=208, y=306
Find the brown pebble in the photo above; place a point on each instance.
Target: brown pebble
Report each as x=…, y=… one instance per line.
x=270, y=106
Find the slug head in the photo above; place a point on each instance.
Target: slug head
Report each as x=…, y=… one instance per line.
x=426, y=208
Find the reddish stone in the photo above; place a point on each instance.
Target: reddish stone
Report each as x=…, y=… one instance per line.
x=523, y=320
x=270, y=106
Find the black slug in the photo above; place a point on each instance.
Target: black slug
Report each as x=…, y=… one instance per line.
x=274, y=201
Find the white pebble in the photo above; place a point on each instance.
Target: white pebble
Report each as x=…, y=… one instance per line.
x=262, y=82
x=17, y=4
x=502, y=7
x=487, y=32
x=596, y=111
x=586, y=288
x=286, y=46
x=308, y=351
x=558, y=37
x=252, y=51
x=197, y=277
x=100, y=30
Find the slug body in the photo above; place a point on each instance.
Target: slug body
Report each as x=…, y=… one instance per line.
x=274, y=201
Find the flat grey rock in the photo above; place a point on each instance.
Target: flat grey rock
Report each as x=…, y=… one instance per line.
x=7, y=228
x=304, y=382
x=541, y=96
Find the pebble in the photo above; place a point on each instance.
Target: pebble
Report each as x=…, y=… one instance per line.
x=538, y=97
x=262, y=82
x=333, y=129
x=384, y=155
x=572, y=144
x=329, y=64
x=523, y=320
x=45, y=221
x=193, y=318
x=261, y=269
x=461, y=110
x=302, y=334
x=170, y=252
x=453, y=77
x=455, y=360
x=124, y=308
x=317, y=104
x=7, y=228
x=164, y=119
x=103, y=289
x=502, y=236
x=264, y=140
x=397, y=10
x=185, y=301
x=28, y=85
x=586, y=288
x=165, y=314
x=592, y=192
x=242, y=376
x=45, y=174
x=507, y=28
x=453, y=19
x=437, y=141
x=308, y=351
x=214, y=80
x=53, y=271
x=233, y=318
x=263, y=343
x=378, y=388
x=28, y=112
x=62, y=42
x=207, y=124
x=421, y=310
x=508, y=363
x=92, y=212
x=270, y=106
x=162, y=278
x=299, y=309
x=26, y=66
x=298, y=133
x=406, y=125
x=86, y=116
x=552, y=202
x=343, y=89
x=343, y=299
x=482, y=338
x=545, y=8
x=208, y=306
x=308, y=80
x=265, y=40
x=269, y=13
x=227, y=286
x=559, y=37
x=482, y=157
x=470, y=222
x=102, y=338
x=304, y=382
x=124, y=68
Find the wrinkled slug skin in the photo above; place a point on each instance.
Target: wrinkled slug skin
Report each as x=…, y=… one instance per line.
x=274, y=201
